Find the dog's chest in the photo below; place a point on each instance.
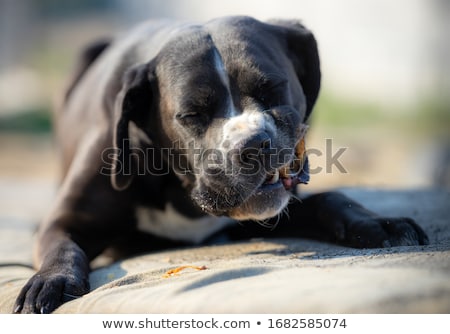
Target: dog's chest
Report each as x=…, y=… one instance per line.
x=172, y=225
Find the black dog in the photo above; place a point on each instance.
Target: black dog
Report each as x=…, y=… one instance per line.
x=177, y=130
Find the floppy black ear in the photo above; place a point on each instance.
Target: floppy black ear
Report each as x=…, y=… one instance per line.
x=133, y=107
x=305, y=58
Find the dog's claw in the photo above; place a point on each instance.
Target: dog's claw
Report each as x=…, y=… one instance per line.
x=17, y=308
x=44, y=292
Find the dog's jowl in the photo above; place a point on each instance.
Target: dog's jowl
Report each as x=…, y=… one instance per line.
x=175, y=131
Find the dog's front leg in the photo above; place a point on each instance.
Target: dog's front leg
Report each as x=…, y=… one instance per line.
x=62, y=276
x=85, y=217
x=333, y=216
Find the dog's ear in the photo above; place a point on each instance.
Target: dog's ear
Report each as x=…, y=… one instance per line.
x=302, y=50
x=133, y=108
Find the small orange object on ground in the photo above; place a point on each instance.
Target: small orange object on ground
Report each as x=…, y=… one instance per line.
x=173, y=272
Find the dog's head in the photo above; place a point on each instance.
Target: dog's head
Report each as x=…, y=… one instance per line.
x=226, y=105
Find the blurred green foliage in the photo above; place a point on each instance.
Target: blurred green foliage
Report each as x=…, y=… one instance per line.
x=33, y=121
x=428, y=116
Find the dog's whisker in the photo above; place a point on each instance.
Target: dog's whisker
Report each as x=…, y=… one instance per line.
x=285, y=212
x=295, y=198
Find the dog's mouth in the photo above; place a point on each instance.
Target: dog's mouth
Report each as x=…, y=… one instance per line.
x=274, y=193
x=290, y=175
x=267, y=199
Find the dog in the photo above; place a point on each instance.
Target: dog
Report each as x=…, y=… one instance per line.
x=175, y=131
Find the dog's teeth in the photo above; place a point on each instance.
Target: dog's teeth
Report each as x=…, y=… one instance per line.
x=274, y=178
x=285, y=172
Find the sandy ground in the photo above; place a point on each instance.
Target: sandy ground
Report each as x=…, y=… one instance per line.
x=267, y=276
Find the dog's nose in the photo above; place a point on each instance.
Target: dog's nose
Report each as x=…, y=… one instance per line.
x=254, y=148
x=257, y=142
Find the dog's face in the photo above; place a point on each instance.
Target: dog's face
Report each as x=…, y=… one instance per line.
x=232, y=98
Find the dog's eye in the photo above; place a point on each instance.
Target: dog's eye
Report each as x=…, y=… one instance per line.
x=194, y=120
x=187, y=114
x=270, y=93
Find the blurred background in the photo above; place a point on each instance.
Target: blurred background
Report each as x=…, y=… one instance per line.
x=385, y=96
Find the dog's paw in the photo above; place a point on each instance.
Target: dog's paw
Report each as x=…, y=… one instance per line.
x=44, y=292
x=378, y=232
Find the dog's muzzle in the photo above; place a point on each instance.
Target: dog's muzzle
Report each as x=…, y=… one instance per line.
x=258, y=191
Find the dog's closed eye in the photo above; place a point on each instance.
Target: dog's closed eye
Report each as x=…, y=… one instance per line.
x=271, y=92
